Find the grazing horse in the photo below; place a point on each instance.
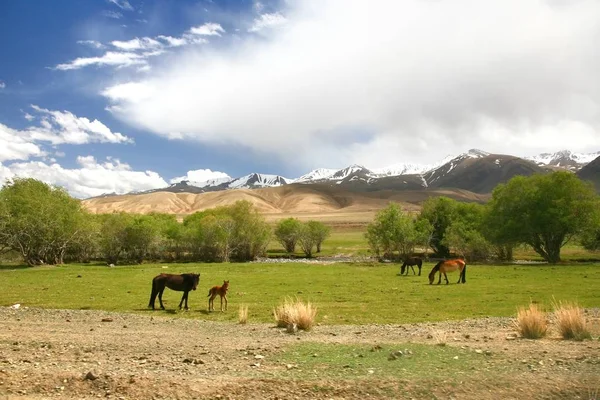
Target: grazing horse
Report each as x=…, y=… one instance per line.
x=409, y=262
x=448, y=266
x=181, y=283
x=220, y=291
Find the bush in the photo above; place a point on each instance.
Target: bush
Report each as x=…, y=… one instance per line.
x=531, y=322
x=570, y=321
x=243, y=314
x=295, y=313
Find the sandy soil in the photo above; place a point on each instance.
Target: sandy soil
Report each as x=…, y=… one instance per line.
x=93, y=354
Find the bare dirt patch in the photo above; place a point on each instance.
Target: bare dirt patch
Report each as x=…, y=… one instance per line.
x=91, y=354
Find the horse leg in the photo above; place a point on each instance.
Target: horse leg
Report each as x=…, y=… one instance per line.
x=160, y=293
x=221, y=303
x=419, y=270
x=152, y=296
x=184, y=296
x=413, y=270
x=440, y=280
x=225, y=302
x=446, y=278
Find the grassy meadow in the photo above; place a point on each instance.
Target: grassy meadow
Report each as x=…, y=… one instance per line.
x=345, y=293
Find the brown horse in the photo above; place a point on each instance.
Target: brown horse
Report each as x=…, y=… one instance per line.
x=181, y=283
x=448, y=266
x=220, y=291
x=409, y=262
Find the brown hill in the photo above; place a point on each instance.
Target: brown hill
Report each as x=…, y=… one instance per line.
x=591, y=172
x=480, y=175
x=295, y=199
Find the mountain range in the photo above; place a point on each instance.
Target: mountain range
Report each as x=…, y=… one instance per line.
x=475, y=170
x=470, y=176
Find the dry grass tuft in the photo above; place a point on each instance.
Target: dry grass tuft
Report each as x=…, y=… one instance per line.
x=295, y=313
x=570, y=321
x=440, y=337
x=531, y=322
x=243, y=314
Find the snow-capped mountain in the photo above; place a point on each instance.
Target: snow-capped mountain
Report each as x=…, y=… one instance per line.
x=564, y=159
x=258, y=180
x=316, y=175
x=475, y=170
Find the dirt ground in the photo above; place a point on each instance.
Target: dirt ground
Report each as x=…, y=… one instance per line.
x=84, y=354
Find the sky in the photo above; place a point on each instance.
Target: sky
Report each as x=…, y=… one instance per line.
x=115, y=96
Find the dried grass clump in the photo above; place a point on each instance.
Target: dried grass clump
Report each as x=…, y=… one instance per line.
x=243, y=314
x=440, y=337
x=570, y=321
x=531, y=322
x=295, y=313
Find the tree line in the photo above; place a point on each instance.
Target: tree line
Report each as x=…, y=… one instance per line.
x=544, y=212
x=44, y=225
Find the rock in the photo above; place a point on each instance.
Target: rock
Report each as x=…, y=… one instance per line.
x=259, y=357
x=291, y=328
x=107, y=320
x=90, y=376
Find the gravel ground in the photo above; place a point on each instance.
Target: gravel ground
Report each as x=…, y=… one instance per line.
x=84, y=354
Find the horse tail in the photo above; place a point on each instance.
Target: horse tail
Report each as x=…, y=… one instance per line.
x=463, y=274
x=210, y=291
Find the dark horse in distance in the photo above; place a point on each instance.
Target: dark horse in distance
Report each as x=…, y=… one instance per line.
x=409, y=262
x=448, y=266
x=181, y=283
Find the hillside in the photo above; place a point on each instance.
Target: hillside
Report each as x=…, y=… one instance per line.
x=289, y=199
x=591, y=172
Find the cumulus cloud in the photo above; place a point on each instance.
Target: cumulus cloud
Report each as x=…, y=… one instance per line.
x=145, y=43
x=267, y=21
x=92, y=43
x=201, y=175
x=14, y=147
x=118, y=59
x=64, y=127
x=381, y=82
x=92, y=178
x=209, y=29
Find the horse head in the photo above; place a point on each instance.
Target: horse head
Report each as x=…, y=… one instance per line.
x=433, y=271
x=196, y=281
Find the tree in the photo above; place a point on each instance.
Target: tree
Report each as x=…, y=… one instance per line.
x=464, y=235
x=543, y=211
x=312, y=234
x=320, y=232
x=113, y=236
x=439, y=212
x=287, y=233
x=39, y=221
x=393, y=231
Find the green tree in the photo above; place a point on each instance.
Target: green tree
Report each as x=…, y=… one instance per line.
x=464, y=236
x=112, y=240
x=311, y=235
x=393, y=231
x=38, y=221
x=439, y=212
x=543, y=211
x=287, y=233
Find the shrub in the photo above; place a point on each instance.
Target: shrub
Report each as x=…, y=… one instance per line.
x=570, y=321
x=531, y=322
x=295, y=313
x=243, y=314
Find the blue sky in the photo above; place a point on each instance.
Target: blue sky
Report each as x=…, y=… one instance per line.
x=114, y=95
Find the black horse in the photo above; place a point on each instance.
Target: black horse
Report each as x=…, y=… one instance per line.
x=181, y=283
x=409, y=262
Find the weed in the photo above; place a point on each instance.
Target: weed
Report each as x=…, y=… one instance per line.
x=570, y=321
x=531, y=322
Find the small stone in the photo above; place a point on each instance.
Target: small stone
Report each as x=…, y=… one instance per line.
x=90, y=376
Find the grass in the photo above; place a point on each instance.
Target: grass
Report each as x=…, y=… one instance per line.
x=421, y=362
x=531, y=322
x=295, y=313
x=243, y=314
x=355, y=293
x=570, y=321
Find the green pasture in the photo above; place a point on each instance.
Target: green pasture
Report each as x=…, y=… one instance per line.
x=345, y=293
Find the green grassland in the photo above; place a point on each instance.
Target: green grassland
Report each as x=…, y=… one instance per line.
x=345, y=293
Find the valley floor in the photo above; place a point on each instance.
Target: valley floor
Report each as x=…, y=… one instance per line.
x=83, y=354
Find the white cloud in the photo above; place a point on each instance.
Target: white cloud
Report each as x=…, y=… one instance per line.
x=208, y=29
x=2, y=85
x=200, y=175
x=112, y=14
x=60, y=127
x=381, y=82
x=144, y=43
x=14, y=147
x=267, y=21
x=117, y=59
x=90, y=179
x=173, y=41
x=91, y=43
x=29, y=117
x=122, y=4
